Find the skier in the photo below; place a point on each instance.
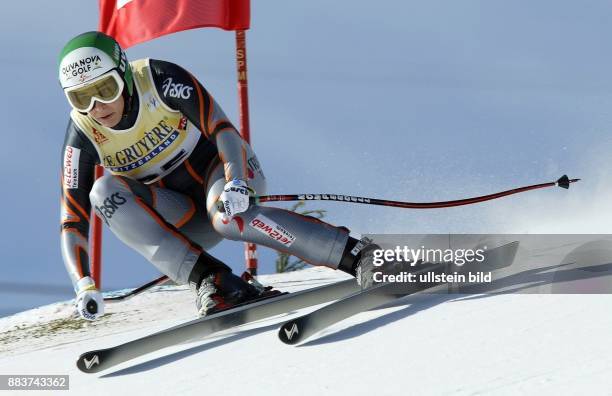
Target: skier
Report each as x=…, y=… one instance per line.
x=172, y=155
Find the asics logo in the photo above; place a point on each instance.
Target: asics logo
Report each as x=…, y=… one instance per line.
x=176, y=90
x=109, y=206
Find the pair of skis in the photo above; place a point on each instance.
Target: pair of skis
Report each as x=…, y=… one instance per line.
x=347, y=291
x=351, y=300
x=98, y=360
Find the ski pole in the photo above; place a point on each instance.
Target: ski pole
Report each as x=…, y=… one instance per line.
x=162, y=279
x=563, y=182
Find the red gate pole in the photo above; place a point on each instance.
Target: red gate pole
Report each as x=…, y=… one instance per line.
x=96, y=239
x=250, y=249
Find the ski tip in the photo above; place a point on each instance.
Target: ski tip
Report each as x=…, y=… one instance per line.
x=92, y=362
x=289, y=333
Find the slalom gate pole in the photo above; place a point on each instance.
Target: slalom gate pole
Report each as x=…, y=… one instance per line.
x=96, y=239
x=563, y=182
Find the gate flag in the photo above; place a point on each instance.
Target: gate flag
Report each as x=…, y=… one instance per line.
x=135, y=21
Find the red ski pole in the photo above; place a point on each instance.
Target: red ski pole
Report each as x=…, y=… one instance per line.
x=563, y=182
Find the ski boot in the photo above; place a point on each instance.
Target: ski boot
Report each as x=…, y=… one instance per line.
x=358, y=261
x=223, y=290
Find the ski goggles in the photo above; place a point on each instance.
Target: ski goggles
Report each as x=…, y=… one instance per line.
x=106, y=89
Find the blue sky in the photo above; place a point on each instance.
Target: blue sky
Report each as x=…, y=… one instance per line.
x=407, y=100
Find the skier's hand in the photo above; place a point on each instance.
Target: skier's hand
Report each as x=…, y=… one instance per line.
x=235, y=197
x=89, y=301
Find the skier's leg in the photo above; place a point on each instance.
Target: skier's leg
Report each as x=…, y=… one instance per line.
x=150, y=220
x=170, y=230
x=306, y=237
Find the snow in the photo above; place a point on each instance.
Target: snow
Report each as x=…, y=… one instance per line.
x=425, y=344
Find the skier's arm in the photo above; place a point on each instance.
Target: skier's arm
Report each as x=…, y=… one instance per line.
x=182, y=91
x=79, y=158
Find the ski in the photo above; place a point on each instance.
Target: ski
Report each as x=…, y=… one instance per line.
x=301, y=328
x=102, y=359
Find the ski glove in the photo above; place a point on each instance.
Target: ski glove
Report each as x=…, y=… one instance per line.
x=235, y=197
x=89, y=301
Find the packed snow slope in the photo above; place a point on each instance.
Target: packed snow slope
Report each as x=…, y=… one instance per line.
x=421, y=345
